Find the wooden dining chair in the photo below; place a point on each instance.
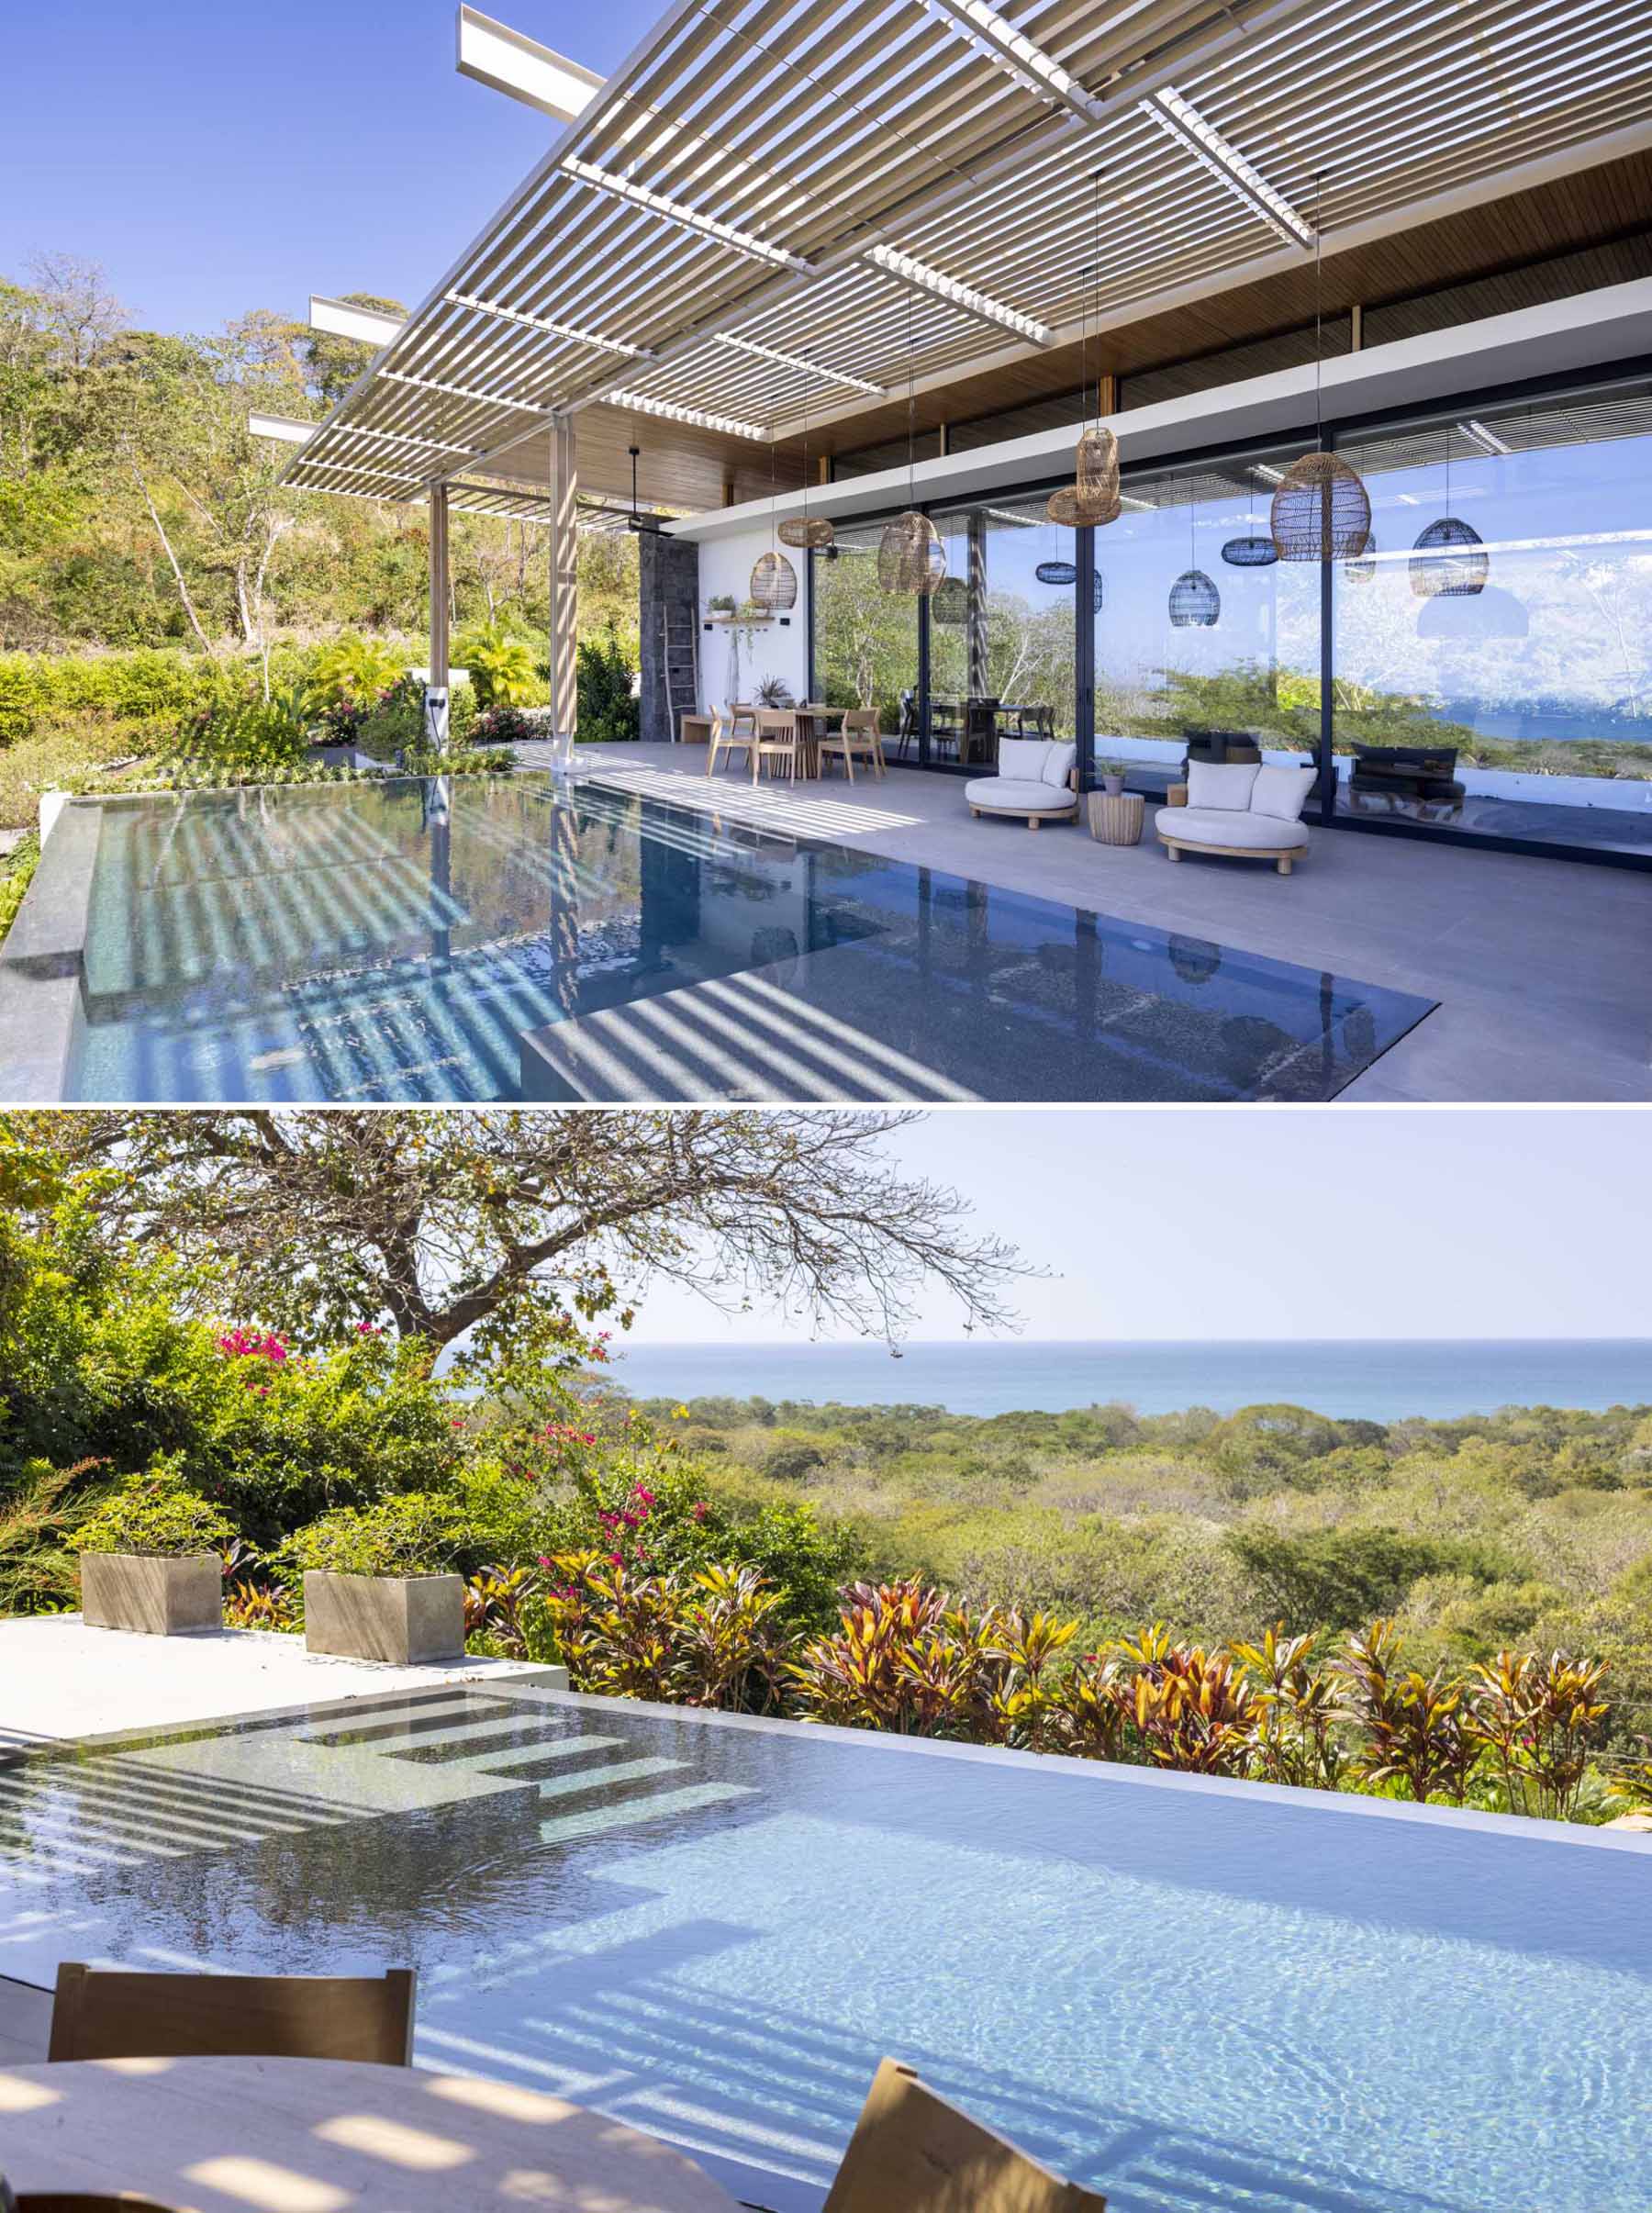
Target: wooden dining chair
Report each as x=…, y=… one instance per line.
x=779, y=741
x=737, y=734
x=912, y=2152
x=109, y=2014
x=859, y=737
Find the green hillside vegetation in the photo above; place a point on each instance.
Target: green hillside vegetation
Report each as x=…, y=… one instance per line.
x=1529, y=1526
x=152, y=569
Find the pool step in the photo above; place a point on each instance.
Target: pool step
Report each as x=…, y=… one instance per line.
x=549, y=1748
x=658, y=1806
x=599, y=1778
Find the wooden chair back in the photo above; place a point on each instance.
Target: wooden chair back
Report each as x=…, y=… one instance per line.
x=912, y=2152
x=100, y=2014
x=777, y=722
x=743, y=720
x=862, y=723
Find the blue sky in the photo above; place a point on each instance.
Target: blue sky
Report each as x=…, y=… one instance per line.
x=1286, y=1222
x=215, y=159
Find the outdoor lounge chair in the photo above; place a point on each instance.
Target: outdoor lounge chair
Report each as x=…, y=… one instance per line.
x=100, y=2014
x=912, y=2152
x=1036, y=781
x=1234, y=808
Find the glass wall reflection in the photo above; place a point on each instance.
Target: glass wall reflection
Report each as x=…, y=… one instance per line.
x=1206, y=644
x=1494, y=658
x=866, y=640
x=1003, y=632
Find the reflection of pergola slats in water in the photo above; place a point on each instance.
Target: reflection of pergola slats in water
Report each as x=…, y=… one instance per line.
x=348, y=893
x=212, y=1795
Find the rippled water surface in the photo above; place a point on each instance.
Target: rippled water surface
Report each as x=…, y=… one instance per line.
x=1193, y=1999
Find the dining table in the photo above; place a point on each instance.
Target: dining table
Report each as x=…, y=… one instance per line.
x=321, y=2136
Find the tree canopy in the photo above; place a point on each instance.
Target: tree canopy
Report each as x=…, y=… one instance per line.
x=510, y=1229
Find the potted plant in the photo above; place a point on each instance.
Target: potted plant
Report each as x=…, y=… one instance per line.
x=377, y=1582
x=774, y=691
x=721, y=603
x=1113, y=778
x=148, y=1558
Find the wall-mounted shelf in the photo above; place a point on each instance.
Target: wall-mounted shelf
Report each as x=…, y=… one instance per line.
x=737, y=621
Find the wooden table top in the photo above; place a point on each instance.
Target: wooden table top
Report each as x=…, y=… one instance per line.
x=318, y=2136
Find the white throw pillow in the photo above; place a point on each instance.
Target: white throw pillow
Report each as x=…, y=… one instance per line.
x=1221, y=783
x=1021, y=760
x=1059, y=765
x=1282, y=792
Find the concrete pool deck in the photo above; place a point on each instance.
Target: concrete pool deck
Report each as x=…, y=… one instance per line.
x=62, y=1682
x=1543, y=995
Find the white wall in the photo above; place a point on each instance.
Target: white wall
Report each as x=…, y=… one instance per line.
x=767, y=650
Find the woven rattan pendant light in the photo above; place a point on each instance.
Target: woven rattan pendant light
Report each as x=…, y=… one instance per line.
x=1195, y=603
x=1092, y=497
x=910, y=557
x=812, y=532
x=774, y=586
x=1456, y=573
x=1320, y=510
x=1251, y=551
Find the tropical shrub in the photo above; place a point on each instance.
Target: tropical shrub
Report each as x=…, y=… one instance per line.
x=248, y=732
x=394, y=723
x=502, y=726
x=352, y=671
x=608, y=710
x=1411, y=1728
x=154, y=1512
x=707, y=1637
x=416, y=1533
x=503, y=671
x=17, y=873
x=1539, y=1719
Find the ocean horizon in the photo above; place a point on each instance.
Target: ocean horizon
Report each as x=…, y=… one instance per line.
x=1377, y=1379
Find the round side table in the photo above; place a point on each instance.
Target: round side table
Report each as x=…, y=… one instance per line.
x=1115, y=819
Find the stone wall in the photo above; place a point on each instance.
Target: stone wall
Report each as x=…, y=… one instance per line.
x=668, y=571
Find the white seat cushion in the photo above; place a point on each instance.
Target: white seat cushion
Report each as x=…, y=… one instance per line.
x=1221, y=783
x=1281, y=792
x=1058, y=762
x=1022, y=760
x=1014, y=794
x=1230, y=826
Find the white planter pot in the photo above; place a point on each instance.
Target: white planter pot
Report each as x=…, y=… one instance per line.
x=152, y=1594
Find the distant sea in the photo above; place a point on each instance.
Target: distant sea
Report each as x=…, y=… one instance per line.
x=1377, y=1380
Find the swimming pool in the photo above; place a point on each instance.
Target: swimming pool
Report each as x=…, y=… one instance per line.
x=501, y=937
x=1193, y=1996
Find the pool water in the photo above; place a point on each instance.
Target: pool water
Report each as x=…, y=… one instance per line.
x=396, y=942
x=1192, y=1998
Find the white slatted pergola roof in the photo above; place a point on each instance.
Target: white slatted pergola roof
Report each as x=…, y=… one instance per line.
x=780, y=208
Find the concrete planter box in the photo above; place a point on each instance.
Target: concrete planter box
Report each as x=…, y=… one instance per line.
x=150, y=1592
x=407, y=1619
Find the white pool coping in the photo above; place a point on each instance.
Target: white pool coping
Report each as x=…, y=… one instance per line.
x=62, y=1681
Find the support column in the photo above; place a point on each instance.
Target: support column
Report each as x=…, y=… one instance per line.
x=441, y=595
x=565, y=579
x=975, y=606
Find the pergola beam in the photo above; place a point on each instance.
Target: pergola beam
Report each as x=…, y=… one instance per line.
x=508, y=62
x=341, y=319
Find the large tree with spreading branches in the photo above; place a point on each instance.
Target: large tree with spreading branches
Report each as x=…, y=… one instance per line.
x=509, y=1230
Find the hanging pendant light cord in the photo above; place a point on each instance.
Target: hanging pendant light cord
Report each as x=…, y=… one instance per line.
x=1319, y=319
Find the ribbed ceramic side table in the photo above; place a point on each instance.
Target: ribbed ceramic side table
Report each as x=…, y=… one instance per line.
x=1115, y=819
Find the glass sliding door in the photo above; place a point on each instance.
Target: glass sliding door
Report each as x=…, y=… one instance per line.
x=866, y=640
x=1494, y=658
x=1003, y=654
x=1205, y=643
